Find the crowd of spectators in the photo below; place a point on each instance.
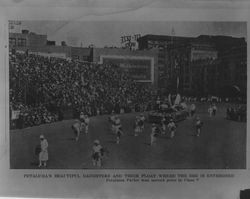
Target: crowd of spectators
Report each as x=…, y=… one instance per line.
x=237, y=113
x=41, y=88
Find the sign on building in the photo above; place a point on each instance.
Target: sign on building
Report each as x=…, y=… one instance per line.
x=139, y=68
x=130, y=41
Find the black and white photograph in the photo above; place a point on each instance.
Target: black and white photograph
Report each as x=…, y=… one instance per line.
x=127, y=95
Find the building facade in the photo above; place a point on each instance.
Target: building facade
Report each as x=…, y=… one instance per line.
x=162, y=44
x=233, y=70
x=187, y=65
x=26, y=39
x=204, y=65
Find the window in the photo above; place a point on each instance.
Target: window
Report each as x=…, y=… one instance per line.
x=12, y=41
x=161, y=61
x=85, y=58
x=187, y=79
x=21, y=42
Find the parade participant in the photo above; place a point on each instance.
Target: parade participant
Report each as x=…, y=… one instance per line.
x=86, y=123
x=198, y=125
x=214, y=109
x=172, y=128
x=210, y=111
x=163, y=125
x=153, y=134
x=112, y=121
x=228, y=113
x=117, y=124
x=118, y=135
x=97, y=154
x=76, y=126
x=43, y=155
x=192, y=109
x=81, y=117
x=141, y=122
x=136, y=126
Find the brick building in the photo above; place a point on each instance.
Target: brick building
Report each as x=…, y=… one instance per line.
x=161, y=43
x=203, y=65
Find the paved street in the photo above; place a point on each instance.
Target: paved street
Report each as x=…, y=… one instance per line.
x=222, y=145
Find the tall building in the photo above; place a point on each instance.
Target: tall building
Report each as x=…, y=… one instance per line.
x=233, y=70
x=225, y=72
x=162, y=43
x=188, y=62
x=204, y=65
x=245, y=194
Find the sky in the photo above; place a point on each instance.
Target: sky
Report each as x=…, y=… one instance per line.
x=108, y=33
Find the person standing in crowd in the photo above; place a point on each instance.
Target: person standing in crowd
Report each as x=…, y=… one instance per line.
x=43, y=155
x=172, y=128
x=97, y=154
x=81, y=116
x=136, y=126
x=118, y=135
x=117, y=124
x=228, y=113
x=210, y=111
x=214, y=109
x=142, y=122
x=82, y=119
x=76, y=126
x=198, y=125
x=158, y=103
x=153, y=134
x=112, y=121
x=192, y=109
x=86, y=123
x=163, y=125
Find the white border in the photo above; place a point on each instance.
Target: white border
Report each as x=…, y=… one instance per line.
x=12, y=182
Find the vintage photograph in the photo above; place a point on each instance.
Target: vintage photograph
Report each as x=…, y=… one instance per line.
x=127, y=94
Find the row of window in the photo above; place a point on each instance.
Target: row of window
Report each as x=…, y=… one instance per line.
x=17, y=42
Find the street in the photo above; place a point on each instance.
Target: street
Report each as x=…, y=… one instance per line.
x=221, y=145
